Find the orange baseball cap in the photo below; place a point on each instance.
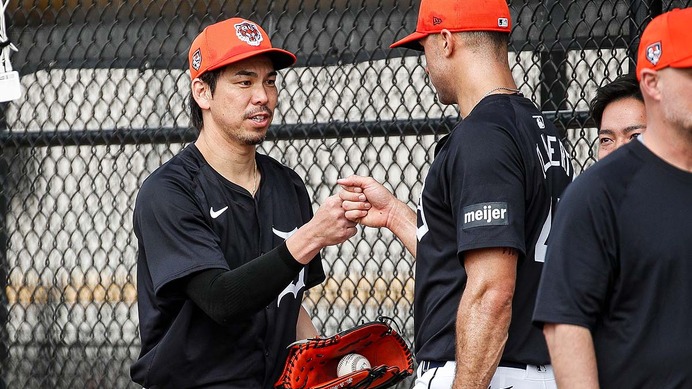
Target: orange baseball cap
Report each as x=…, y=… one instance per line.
x=666, y=42
x=230, y=41
x=457, y=16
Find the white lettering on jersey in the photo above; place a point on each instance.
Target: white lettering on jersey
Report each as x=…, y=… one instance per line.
x=293, y=288
x=539, y=121
x=485, y=214
x=551, y=153
x=423, y=228
x=284, y=234
x=542, y=242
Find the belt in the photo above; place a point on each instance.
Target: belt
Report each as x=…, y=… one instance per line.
x=427, y=365
x=515, y=365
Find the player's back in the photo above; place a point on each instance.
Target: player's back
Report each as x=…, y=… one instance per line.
x=494, y=183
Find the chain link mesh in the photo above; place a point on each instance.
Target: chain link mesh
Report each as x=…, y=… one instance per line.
x=105, y=85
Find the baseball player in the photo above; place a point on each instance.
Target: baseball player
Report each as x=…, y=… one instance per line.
x=485, y=210
x=616, y=288
x=618, y=110
x=227, y=240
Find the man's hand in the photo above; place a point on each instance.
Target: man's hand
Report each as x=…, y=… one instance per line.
x=369, y=203
x=330, y=224
x=328, y=227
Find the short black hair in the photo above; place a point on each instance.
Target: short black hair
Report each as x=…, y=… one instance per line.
x=624, y=86
x=496, y=38
x=210, y=78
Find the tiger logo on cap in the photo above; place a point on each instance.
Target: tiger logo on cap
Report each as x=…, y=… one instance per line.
x=653, y=52
x=248, y=33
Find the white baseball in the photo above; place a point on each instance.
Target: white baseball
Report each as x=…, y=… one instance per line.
x=350, y=363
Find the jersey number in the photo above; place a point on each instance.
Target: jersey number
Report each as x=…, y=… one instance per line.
x=542, y=242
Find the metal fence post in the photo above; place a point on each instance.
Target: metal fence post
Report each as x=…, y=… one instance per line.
x=554, y=79
x=553, y=58
x=641, y=12
x=4, y=266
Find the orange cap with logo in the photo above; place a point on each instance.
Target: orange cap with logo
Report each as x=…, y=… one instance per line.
x=666, y=42
x=457, y=16
x=230, y=41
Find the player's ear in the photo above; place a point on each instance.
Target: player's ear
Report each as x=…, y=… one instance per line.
x=650, y=83
x=201, y=93
x=447, y=41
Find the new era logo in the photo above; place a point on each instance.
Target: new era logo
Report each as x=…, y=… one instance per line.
x=503, y=22
x=485, y=214
x=436, y=21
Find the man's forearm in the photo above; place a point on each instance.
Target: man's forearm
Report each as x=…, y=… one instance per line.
x=403, y=224
x=305, y=329
x=482, y=326
x=572, y=356
x=484, y=313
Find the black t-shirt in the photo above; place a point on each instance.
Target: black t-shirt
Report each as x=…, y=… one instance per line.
x=620, y=264
x=189, y=218
x=495, y=180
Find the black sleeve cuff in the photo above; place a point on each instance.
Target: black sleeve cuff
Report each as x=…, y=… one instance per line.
x=287, y=257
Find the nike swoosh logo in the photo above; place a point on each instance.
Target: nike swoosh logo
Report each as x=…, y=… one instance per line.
x=283, y=234
x=215, y=214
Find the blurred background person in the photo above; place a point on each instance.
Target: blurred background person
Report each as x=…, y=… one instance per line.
x=618, y=110
x=617, y=274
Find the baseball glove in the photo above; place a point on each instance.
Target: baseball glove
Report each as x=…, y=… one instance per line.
x=312, y=363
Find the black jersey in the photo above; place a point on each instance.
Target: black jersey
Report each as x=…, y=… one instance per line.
x=494, y=182
x=189, y=218
x=620, y=264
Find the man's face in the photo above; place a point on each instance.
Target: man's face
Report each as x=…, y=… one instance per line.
x=676, y=98
x=622, y=121
x=243, y=103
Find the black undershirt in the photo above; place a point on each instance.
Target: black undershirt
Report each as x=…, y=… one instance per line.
x=228, y=294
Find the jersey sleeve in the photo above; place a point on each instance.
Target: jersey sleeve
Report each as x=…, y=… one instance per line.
x=315, y=271
x=487, y=188
x=316, y=274
x=173, y=232
x=581, y=258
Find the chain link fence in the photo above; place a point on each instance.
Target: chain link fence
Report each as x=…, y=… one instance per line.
x=103, y=104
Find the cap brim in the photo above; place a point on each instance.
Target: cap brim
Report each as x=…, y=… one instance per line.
x=410, y=42
x=280, y=58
